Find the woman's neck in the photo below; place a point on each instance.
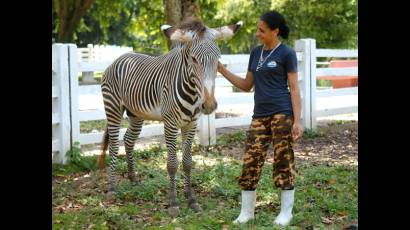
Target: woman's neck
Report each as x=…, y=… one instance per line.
x=272, y=44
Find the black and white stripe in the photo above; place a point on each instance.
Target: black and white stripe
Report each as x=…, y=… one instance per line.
x=170, y=88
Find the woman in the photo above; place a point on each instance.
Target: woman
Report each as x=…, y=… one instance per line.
x=276, y=117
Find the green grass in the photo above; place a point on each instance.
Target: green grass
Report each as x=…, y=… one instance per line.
x=311, y=133
x=99, y=125
x=323, y=83
x=321, y=192
x=231, y=138
x=340, y=122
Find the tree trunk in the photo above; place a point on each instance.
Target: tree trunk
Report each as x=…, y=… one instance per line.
x=190, y=9
x=178, y=10
x=69, y=14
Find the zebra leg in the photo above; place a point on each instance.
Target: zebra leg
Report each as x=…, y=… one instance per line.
x=187, y=137
x=172, y=166
x=113, y=132
x=131, y=135
x=113, y=112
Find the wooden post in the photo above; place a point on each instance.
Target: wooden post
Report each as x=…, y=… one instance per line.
x=73, y=74
x=88, y=77
x=90, y=52
x=206, y=129
x=303, y=45
x=61, y=118
x=312, y=45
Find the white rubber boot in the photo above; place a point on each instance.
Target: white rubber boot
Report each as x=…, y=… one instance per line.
x=286, y=205
x=248, y=207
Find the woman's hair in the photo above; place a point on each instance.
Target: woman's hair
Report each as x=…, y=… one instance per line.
x=275, y=20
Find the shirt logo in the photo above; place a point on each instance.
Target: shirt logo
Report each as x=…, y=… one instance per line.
x=271, y=64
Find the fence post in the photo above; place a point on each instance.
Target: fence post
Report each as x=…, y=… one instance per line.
x=73, y=74
x=312, y=45
x=303, y=46
x=88, y=77
x=61, y=76
x=90, y=52
x=206, y=129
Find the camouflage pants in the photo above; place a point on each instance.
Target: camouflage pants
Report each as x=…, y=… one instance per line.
x=278, y=130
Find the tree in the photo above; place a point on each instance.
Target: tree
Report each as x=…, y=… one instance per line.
x=69, y=13
x=137, y=23
x=108, y=22
x=232, y=11
x=177, y=11
x=332, y=23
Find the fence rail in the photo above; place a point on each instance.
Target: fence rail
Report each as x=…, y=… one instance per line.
x=69, y=97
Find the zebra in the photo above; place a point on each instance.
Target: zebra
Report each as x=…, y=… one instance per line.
x=174, y=88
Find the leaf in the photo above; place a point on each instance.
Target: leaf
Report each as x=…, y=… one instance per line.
x=342, y=213
x=333, y=181
x=326, y=220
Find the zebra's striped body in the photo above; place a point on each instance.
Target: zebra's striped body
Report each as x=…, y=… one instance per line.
x=173, y=88
x=155, y=88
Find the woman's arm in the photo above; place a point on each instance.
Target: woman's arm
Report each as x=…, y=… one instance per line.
x=297, y=129
x=243, y=84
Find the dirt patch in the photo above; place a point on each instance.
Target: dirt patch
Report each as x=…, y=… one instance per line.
x=336, y=143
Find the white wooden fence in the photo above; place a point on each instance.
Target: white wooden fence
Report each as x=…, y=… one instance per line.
x=69, y=97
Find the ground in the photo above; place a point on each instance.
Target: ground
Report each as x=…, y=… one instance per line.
x=326, y=186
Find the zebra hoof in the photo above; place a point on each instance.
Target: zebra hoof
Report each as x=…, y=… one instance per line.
x=110, y=194
x=173, y=211
x=195, y=206
x=133, y=180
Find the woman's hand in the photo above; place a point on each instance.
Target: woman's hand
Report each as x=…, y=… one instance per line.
x=297, y=131
x=221, y=67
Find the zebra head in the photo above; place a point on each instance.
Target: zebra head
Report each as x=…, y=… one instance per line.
x=203, y=53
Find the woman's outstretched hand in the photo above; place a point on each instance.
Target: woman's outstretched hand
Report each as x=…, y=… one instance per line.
x=221, y=67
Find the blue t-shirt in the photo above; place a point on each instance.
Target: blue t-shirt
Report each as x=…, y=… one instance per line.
x=272, y=95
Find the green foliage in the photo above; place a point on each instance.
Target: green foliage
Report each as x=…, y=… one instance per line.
x=77, y=161
x=339, y=122
x=122, y=22
x=230, y=12
x=153, y=151
x=334, y=24
x=323, y=83
x=137, y=23
x=231, y=138
x=311, y=133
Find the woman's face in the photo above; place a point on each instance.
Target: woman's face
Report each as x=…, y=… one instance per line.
x=264, y=34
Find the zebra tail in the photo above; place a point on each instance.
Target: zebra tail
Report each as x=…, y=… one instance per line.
x=104, y=145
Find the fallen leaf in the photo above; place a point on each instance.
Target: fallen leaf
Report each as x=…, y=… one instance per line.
x=326, y=220
x=342, y=213
x=225, y=227
x=333, y=181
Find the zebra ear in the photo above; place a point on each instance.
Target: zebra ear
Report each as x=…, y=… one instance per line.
x=167, y=30
x=226, y=32
x=176, y=34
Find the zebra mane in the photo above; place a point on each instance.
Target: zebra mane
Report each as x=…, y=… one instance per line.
x=193, y=24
